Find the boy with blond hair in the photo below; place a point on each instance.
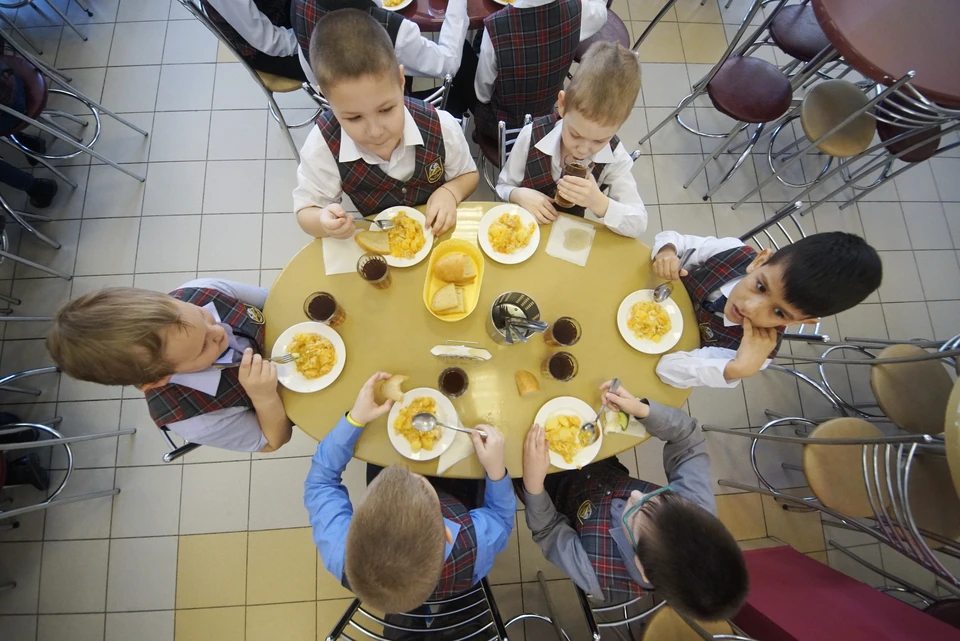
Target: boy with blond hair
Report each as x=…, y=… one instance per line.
x=374, y=145
x=595, y=105
x=194, y=353
x=411, y=540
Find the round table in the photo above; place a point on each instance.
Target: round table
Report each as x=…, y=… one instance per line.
x=884, y=39
x=951, y=433
x=426, y=13
x=391, y=330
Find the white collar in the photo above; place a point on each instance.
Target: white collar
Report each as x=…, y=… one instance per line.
x=550, y=145
x=726, y=289
x=350, y=152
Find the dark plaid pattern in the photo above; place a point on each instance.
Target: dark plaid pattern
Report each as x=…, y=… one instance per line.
x=537, y=175
x=368, y=186
x=708, y=278
x=304, y=14
x=457, y=575
x=11, y=88
x=534, y=49
x=276, y=11
x=172, y=403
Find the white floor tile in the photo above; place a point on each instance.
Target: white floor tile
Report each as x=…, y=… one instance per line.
x=88, y=82
x=908, y=320
x=163, y=282
x=20, y=562
x=73, y=577
x=215, y=497
x=884, y=225
x=180, y=135
x=74, y=390
x=268, y=277
x=940, y=275
x=137, y=43
x=235, y=89
x=19, y=628
x=946, y=318
x=131, y=88
x=905, y=283
x=102, y=10
x=185, y=87
x=689, y=219
x=143, y=626
x=70, y=627
x=38, y=297
x=282, y=238
x=225, y=144
x=277, y=145
x=168, y=244
x=88, y=417
x=111, y=194
x=735, y=222
x=230, y=241
x=672, y=172
x=829, y=217
x=107, y=246
x=32, y=523
x=75, y=52
x=147, y=446
x=132, y=10
x=664, y=85
x=276, y=494
x=66, y=232
x=916, y=183
x=646, y=179
x=121, y=144
x=189, y=41
x=233, y=186
x=88, y=519
x=149, y=501
x=246, y=276
x=281, y=178
x=143, y=574
x=19, y=356
x=945, y=172
x=174, y=188
x=671, y=138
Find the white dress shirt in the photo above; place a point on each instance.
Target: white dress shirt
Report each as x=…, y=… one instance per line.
x=626, y=213
x=256, y=28
x=421, y=56
x=593, y=15
x=318, y=178
x=702, y=367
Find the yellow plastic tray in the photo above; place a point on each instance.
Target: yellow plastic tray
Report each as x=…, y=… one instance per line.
x=471, y=292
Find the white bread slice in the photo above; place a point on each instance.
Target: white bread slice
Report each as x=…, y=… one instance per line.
x=445, y=301
x=376, y=242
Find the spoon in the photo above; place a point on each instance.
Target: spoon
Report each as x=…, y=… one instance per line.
x=591, y=427
x=426, y=422
x=532, y=325
x=513, y=328
x=663, y=290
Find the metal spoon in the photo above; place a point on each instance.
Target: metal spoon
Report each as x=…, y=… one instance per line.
x=663, y=290
x=532, y=325
x=591, y=427
x=513, y=328
x=427, y=422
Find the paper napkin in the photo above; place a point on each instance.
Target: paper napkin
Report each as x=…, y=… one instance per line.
x=340, y=256
x=461, y=448
x=571, y=240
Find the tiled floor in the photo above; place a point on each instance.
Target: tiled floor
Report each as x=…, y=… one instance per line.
x=216, y=546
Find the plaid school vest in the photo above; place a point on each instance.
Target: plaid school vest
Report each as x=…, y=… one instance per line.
x=709, y=277
x=587, y=505
x=172, y=403
x=369, y=187
x=537, y=175
x=457, y=575
x=276, y=11
x=534, y=49
x=304, y=15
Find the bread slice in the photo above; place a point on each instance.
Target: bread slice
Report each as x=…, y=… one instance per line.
x=455, y=267
x=390, y=388
x=376, y=242
x=526, y=383
x=445, y=301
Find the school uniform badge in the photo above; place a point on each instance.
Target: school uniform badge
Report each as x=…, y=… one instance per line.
x=254, y=314
x=435, y=171
x=707, y=333
x=585, y=511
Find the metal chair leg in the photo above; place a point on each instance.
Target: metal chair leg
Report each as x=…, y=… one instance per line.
x=66, y=20
x=19, y=32
x=282, y=122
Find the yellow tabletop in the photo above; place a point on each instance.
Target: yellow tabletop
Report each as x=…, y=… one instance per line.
x=951, y=431
x=391, y=330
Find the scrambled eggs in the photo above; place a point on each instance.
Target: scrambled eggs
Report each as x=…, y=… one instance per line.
x=392, y=3
x=508, y=234
x=406, y=237
x=404, y=424
x=649, y=320
x=317, y=354
x=564, y=436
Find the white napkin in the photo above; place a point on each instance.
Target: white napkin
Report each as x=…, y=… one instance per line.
x=566, y=231
x=461, y=448
x=340, y=256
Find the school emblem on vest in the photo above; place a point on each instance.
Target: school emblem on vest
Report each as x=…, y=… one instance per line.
x=435, y=171
x=706, y=332
x=585, y=511
x=255, y=314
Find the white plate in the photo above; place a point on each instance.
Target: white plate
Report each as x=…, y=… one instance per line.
x=446, y=414
x=506, y=4
x=570, y=406
x=287, y=373
x=642, y=344
x=402, y=5
x=389, y=214
x=491, y=217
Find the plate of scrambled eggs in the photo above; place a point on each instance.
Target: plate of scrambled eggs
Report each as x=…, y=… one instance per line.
x=395, y=5
x=561, y=419
x=410, y=240
x=649, y=327
x=322, y=356
x=509, y=234
x=407, y=440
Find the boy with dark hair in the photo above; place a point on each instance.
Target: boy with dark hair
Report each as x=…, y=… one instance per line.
x=744, y=300
x=617, y=537
x=374, y=145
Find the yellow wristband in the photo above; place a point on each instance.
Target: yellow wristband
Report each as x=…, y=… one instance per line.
x=353, y=422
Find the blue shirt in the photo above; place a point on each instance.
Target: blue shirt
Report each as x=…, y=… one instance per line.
x=328, y=504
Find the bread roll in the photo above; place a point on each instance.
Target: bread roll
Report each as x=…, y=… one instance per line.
x=526, y=383
x=455, y=267
x=390, y=388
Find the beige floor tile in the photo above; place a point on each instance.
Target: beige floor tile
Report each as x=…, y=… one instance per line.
x=328, y=587
x=281, y=567
x=531, y=558
x=509, y=600
x=276, y=493
x=698, y=10
x=802, y=530
x=70, y=627
x=222, y=624
x=759, y=544
x=819, y=556
x=702, y=43
x=852, y=568
x=328, y=613
x=742, y=514
x=211, y=570
x=73, y=577
x=506, y=567
x=662, y=44
x=288, y=621
x=648, y=10
x=224, y=55
x=566, y=606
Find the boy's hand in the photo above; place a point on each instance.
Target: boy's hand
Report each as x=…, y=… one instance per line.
x=258, y=377
x=666, y=264
x=583, y=192
x=538, y=204
x=755, y=347
x=536, y=459
x=490, y=451
x=441, y=211
x=365, y=408
x=623, y=401
x=336, y=222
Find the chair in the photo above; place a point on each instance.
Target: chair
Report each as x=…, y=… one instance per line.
x=174, y=452
x=493, y=154
x=16, y=4
x=670, y=624
x=5, y=254
x=613, y=30
x=617, y=615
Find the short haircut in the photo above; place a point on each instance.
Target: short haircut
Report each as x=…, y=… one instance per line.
x=604, y=87
x=395, y=544
x=692, y=560
x=112, y=336
x=825, y=274
x=348, y=44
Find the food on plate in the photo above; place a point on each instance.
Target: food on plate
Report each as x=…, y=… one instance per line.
x=455, y=267
x=508, y=233
x=649, y=320
x=317, y=356
x=614, y=421
x=527, y=383
x=392, y=3
x=564, y=435
x=375, y=242
x=406, y=236
x=448, y=300
x=390, y=388
x=404, y=424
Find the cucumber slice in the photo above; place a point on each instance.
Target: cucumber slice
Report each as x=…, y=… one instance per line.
x=624, y=419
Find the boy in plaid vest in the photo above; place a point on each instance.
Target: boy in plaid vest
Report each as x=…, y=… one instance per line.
x=744, y=300
x=194, y=354
x=595, y=105
x=617, y=537
x=261, y=33
x=374, y=145
x=525, y=54
x=411, y=539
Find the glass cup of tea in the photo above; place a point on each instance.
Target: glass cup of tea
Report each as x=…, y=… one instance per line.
x=560, y=366
x=324, y=308
x=572, y=166
x=564, y=332
x=374, y=269
x=453, y=382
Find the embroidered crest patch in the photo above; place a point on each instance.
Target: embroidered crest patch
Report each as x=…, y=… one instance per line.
x=585, y=511
x=706, y=333
x=435, y=171
x=255, y=314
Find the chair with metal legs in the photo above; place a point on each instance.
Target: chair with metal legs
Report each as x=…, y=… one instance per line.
x=625, y=618
x=16, y=4
x=493, y=156
x=670, y=624
x=6, y=254
x=175, y=451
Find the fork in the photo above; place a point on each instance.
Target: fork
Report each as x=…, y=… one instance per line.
x=382, y=224
x=279, y=360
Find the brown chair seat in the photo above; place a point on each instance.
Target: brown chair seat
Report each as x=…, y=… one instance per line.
x=613, y=30
x=912, y=395
x=489, y=147
x=924, y=152
x=835, y=472
x=796, y=31
x=828, y=104
x=279, y=84
x=667, y=624
x=34, y=85
x=751, y=90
